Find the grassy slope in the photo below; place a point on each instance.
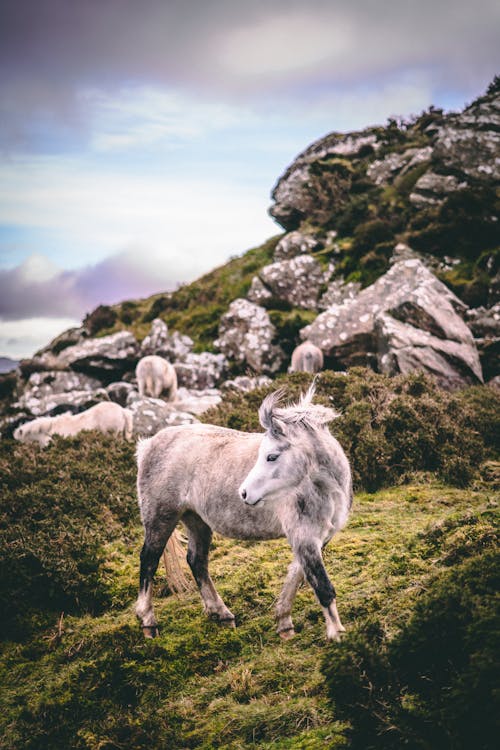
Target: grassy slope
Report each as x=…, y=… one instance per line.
x=93, y=682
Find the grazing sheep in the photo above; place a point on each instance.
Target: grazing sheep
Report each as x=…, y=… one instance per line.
x=155, y=375
x=306, y=357
x=106, y=417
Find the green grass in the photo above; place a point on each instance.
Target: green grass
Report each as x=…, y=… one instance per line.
x=94, y=682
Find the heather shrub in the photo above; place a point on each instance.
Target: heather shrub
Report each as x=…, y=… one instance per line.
x=59, y=507
x=431, y=685
x=389, y=427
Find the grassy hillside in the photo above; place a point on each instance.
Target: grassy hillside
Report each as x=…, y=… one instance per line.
x=76, y=671
x=194, y=309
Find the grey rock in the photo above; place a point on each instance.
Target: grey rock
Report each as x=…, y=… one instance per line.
x=52, y=392
x=245, y=383
x=246, y=336
x=106, y=358
x=338, y=292
x=197, y=401
x=383, y=171
x=432, y=188
x=485, y=326
x=469, y=142
x=201, y=371
x=156, y=339
x=152, y=414
x=58, y=403
x=296, y=281
x=293, y=198
x=293, y=244
x=404, y=348
x=408, y=293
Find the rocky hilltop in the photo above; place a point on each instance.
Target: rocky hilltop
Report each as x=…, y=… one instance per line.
x=390, y=259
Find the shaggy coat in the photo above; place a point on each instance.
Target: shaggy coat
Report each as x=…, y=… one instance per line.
x=105, y=417
x=294, y=481
x=307, y=357
x=154, y=376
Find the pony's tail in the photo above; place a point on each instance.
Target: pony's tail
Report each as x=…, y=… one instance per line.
x=173, y=553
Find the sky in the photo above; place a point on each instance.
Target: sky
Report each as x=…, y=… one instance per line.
x=140, y=141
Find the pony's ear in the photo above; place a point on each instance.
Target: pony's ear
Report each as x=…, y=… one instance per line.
x=267, y=417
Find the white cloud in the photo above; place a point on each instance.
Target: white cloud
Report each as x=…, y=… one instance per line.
x=23, y=338
x=286, y=43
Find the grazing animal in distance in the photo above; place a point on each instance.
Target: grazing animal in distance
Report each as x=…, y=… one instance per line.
x=307, y=357
x=293, y=481
x=105, y=417
x=155, y=375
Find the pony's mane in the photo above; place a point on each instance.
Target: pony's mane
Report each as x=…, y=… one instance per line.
x=303, y=413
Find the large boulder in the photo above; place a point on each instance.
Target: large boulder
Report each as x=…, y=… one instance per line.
x=485, y=326
x=53, y=392
x=302, y=192
x=152, y=414
x=106, y=358
x=365, y=330
x=197, y=401
x=172, y=346
x=246, y=336
x=201, y=371
x=296, y=282
x=67, y=338
x=293, y=244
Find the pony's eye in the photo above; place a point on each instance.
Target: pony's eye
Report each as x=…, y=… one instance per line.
x=273, y=456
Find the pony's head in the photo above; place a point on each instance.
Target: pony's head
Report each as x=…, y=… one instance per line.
x=284, y=453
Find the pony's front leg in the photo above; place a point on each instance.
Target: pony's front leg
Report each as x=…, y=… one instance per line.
x=309, y=555
x=294, y=577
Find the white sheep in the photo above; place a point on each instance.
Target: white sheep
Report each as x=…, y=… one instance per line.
x=306, y=357
x=155, y=375
x=105, y=417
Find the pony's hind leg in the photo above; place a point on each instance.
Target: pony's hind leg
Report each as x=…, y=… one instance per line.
x=156, y=537
x=294, y=577
x=199, y=538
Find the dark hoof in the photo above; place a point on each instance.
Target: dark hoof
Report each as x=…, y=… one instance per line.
x=228, y=622
x=150, y=631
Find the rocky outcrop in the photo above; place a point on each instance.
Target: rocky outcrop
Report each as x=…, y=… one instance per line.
x=338, y=292
x=246, y=336
x=293, y=244
x=201, y=371
x=384, y=171
x=48, y=393
x=406, y=320
x=301, y=193
x=173, y=346
x=197, y=401
x=245, y=383
x=106, y=358
x=485, y=326
x=297, y=282
x=152, y=414
x=67, y=338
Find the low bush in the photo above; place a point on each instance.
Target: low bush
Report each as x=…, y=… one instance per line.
x=390, y=427
x=431, y=685
x=59, y=507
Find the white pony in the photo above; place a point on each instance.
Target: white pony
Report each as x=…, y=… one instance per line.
x=307, y=357
x=105, y=417
x=155, y=375
x=292, y=481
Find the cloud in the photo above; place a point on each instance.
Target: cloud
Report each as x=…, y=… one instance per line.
x=36, y=288
x=52, y=51
x=20, y=339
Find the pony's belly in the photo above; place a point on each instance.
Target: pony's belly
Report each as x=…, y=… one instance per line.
x=242, y=521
